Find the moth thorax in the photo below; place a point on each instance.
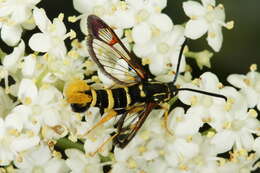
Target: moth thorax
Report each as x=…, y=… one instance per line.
x=78, y=92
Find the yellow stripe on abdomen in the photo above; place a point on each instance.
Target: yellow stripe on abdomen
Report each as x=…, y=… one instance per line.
x=110, y=97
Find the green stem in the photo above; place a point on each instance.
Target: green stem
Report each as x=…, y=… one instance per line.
x=65, y=143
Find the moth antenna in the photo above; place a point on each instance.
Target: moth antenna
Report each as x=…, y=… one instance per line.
x=179, y=60
x=204, y=92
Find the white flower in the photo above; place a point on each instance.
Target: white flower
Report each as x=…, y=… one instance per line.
x=185, y=125
x=240, y=161
x=15, y=15
x=29, y=65
x=206, y=18
x=53, y=34
x=249, y=85
x=39, y=159
x=233, y=123
x=46, y=109
x=256, y=146
x=6, y=138
x=11, y=62
x=162, y=52
x=6, y=104
x=156, y=24
x=78, y=162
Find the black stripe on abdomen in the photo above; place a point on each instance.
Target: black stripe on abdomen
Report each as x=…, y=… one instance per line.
x=135, y=94
x=120, y=98
x=102, y=99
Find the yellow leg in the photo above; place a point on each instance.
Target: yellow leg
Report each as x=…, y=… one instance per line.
x=110, y=114
x=100, y=148
x=165, y=106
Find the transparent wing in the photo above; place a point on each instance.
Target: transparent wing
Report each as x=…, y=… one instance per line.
x=130, y=122
x=111, y=56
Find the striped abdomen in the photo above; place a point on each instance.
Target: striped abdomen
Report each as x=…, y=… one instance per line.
x=120, y=98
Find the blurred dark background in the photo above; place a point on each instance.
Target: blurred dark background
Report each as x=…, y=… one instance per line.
x=240, y=47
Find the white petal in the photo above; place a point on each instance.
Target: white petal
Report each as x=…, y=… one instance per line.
x=51, y=117
x=27, y=92
x=193, y=9
x=237, y=80
x=83, y=6
x=42, y=151
x=121, y=19
x=143, y=50
x=29, y=65
x=256, y=145
x=23, y=143
x=187, y=149
x=247, y=140
x=56, y=166
x=194, y=29
x=209, y=81
x=83, y=25
x=215, y=37
x=11, y=35
x=251, y=95
x=40, y=42
x=21, y=14
x=162, y=21
x=5, y=11
x=141, y=33
x=41, y=19
x=18, y=117
x=186, y=96
x=226, y=136
x=11, y=61
x=208, y=2
x=157, y=65
x=219, y=13
x=28, y=25
x=60, y=28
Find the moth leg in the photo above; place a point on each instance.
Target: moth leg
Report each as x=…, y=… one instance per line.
x=100, y=148
x=110, y=114
x=166, y=107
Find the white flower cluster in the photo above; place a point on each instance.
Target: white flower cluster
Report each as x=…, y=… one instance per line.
x=40, y=133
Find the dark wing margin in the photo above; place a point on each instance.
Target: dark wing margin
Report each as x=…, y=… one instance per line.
x=111, y=56
x=127, y=132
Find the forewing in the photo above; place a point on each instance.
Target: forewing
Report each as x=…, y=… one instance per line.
x=111, y=56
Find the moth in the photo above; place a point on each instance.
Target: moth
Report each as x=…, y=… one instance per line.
x=135, y=97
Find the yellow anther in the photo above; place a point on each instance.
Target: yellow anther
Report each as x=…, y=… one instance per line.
x=253, y=67
x=72, y=19
x=27, y=100
x=230, y=25
x=227, y=125
x=210, y=134
x=73, y=54
x=72, y=34
x=194, y=100
x=229, y=104
x=252, y=113
x=132, y=163
x=61, y=16
x=146, y=61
